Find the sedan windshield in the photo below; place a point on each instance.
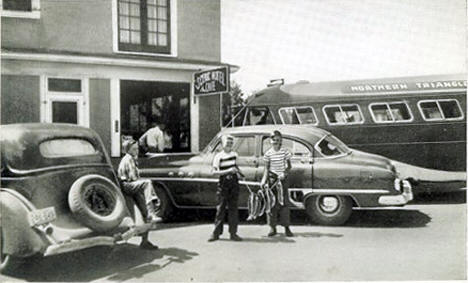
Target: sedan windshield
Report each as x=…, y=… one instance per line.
x=331, y=146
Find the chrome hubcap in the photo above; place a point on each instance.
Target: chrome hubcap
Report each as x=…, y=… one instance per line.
x=99, y=200
x=329, y=204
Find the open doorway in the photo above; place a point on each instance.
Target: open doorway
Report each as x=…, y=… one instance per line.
x=142, y=102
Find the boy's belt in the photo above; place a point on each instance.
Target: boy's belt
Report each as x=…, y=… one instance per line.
x=228, y=176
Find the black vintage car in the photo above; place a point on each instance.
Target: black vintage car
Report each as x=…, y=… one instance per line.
x=327, y=178
x=59, y=193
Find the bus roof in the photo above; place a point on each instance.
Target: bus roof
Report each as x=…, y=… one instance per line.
x=304, y=91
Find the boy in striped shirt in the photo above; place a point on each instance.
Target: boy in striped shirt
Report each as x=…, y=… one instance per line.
x=224, y=166
x=277, y=166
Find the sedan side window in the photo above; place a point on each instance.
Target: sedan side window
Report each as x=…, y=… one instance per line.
x=329, y=146
x=244, y=146
x=297, y=149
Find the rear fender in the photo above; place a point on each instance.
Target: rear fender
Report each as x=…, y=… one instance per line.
x=19, y=239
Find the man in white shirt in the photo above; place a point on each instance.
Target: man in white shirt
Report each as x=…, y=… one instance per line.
x=153, y=139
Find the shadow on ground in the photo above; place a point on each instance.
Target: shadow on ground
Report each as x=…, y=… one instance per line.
x=440, y=198
x=388, y=218
x=379, y=218
x=123, y=262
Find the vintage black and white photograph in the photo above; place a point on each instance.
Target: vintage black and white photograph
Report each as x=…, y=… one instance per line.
x=233, y=140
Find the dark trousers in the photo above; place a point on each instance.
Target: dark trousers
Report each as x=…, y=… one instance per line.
x=227, y=196
x=278, y=211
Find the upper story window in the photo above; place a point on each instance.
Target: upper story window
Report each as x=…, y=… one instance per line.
x=440, y=109
x=21, y=8
x=391, y=112
x=343, y=114
x=298, y=115
x=144, y=26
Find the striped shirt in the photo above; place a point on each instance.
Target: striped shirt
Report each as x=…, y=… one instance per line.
x=223, y=160
x=277, y=159
x=128, y=169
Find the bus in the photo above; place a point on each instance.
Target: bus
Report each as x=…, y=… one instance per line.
x=420, y=121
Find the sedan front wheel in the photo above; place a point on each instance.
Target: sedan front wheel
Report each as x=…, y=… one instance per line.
x=329, y=210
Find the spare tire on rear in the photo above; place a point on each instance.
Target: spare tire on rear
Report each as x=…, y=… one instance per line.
x=97, y=202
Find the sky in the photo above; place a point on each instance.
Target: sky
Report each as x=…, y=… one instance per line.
x=329, y=40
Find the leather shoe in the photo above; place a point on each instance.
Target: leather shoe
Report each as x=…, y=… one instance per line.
x=147, y=245
x=235, y=237
x=288, y=232
x=213, y=238
x=272, y=232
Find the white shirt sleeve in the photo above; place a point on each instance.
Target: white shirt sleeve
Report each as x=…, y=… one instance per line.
x=216, y=160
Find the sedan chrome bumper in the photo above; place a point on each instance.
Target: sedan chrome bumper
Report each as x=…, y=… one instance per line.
x=79, y=244
x=401, y=199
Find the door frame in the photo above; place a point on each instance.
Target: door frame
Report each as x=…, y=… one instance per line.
x=81, y=98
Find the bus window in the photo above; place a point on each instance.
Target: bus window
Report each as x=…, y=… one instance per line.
x=288, y=116
x=390, y=112
x=298, y=115
x=442, y=109
x=343, y=114
x=451, y=109
x=258, y=116
x=400, y=111
x=306, y=115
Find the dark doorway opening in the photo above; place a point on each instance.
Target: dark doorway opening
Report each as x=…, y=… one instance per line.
x=142, y=102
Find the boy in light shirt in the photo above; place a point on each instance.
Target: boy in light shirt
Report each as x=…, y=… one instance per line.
x=277, y=166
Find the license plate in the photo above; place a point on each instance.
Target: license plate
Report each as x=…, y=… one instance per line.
x=42, y=216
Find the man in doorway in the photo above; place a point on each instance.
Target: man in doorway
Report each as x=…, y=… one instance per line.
x=153, y=139
x=141, y=190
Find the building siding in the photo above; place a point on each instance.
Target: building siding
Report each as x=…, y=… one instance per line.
x=20, y=99
x=74, y=26
x=199, y=25
x=86, y=27
x=208, y=119
x=99, y=109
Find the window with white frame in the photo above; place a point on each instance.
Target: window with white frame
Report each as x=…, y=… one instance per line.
x=440, y=109
x=298, y=115
x=144, y=26
x=390, y=112
x=21, y=8
x=65, y=100
x=343, y=114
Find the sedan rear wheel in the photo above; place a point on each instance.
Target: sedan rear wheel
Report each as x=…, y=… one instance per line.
x=329, y=209
x=8, y=263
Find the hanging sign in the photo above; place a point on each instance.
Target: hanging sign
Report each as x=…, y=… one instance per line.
x=209, y=82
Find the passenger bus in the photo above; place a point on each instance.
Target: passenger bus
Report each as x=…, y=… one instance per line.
x=419, y=121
